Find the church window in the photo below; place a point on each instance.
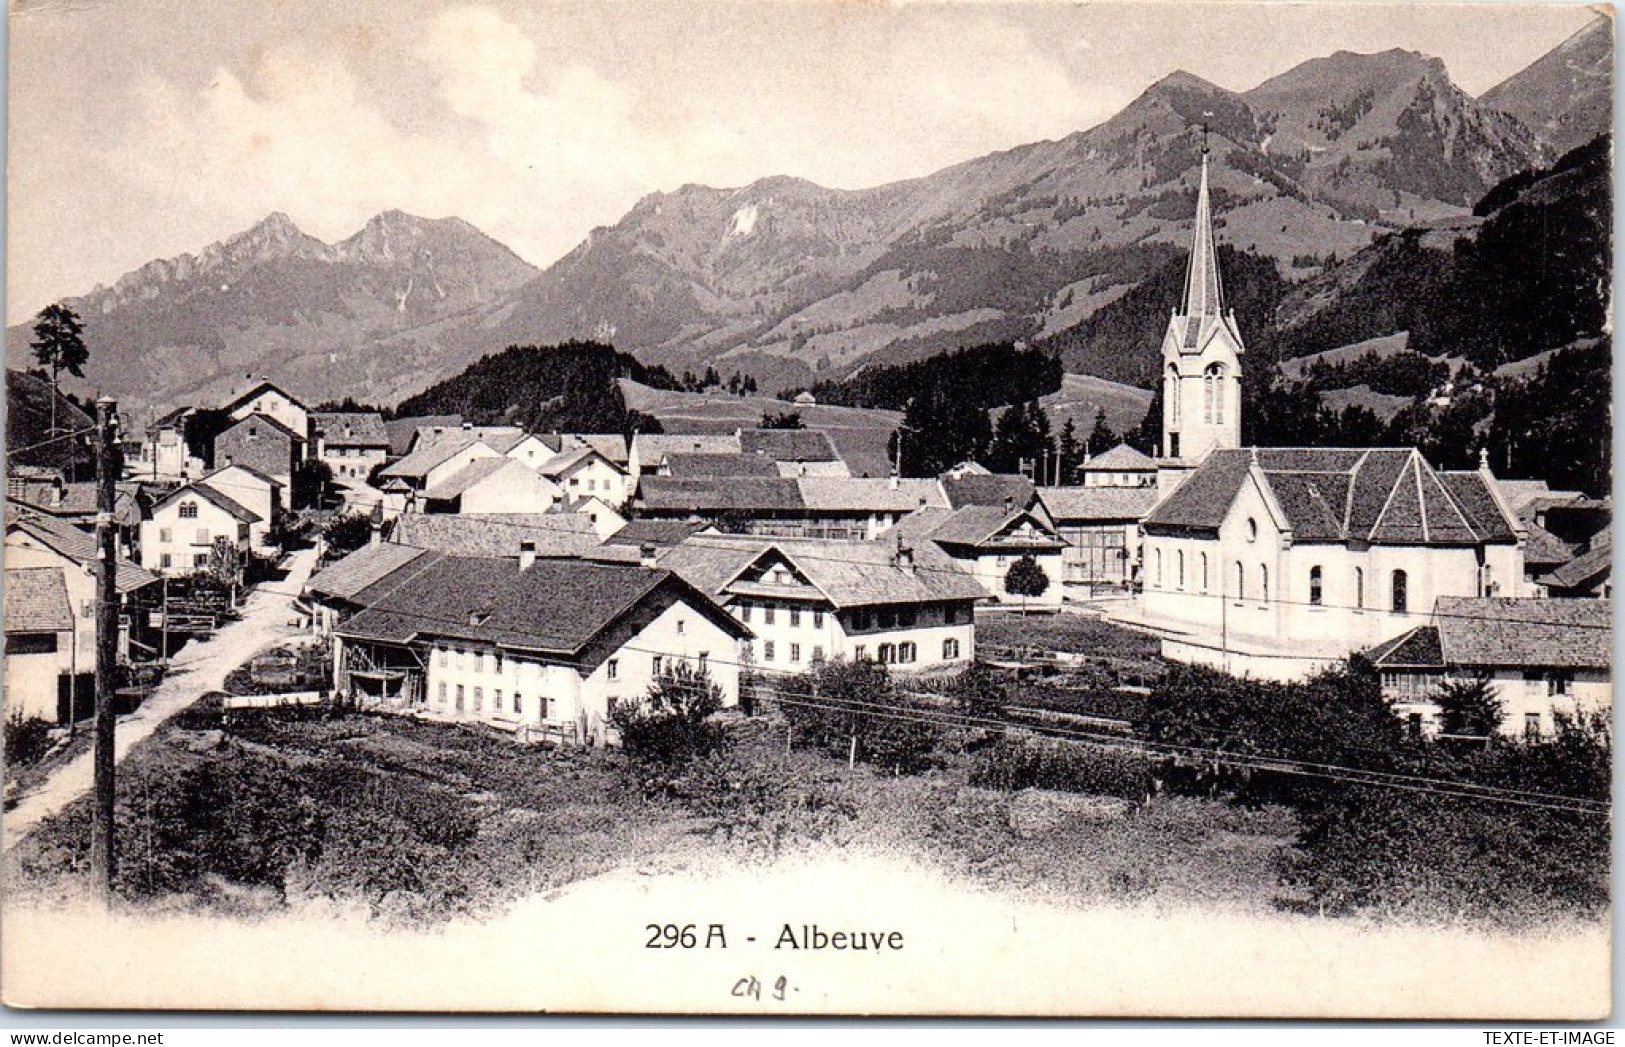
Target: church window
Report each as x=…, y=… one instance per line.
x=1241, y=581
x=1252, y=529
x=1359, y=588
x=1181, y=563
x=1401, y=595
x=1264, y=583
x=1173, y=393
x=1204, y=572
x=1213, y=394
x=1314, y=586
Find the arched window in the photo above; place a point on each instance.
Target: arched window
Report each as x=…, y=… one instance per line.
x=1252, y=529
x=1181, y=567
x=1213, y=394
x=1314, y=586
x=1204, y=572
x=1359, y=588
x=188, y=511
x=1159, y=566
x=1172, y=393
x=1401, y=596
x=1241, y=581
x=1264, y=583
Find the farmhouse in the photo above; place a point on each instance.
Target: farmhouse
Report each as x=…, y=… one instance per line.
x=987, y=541
x=490, y=485
x=185, y=526
x=253, y=490
x=267, y=399
x=1101, y=528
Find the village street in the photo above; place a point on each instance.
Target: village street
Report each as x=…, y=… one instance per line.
x=196, y=670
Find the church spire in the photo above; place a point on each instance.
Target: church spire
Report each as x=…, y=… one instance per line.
x=1203, y=293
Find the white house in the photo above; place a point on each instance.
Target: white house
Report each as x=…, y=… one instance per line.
x=544, y=648
x=1122, y=466
x=431, y=462
x=1544, y=658
x=351, y=443
x=186, y=523
x=987, y=540
x=269, y=399
x=490, y=485
x=39, y=644
x=808, y=600
x=253, y=490
x=583, y=472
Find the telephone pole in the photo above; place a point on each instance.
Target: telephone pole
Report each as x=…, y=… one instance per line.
x=101, y=823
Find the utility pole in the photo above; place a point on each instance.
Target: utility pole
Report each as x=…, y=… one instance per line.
x=101, y=822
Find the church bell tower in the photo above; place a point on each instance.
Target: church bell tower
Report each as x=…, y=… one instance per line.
x=1201, y=353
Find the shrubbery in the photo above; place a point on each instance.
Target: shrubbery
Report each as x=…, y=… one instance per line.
x=673, y=723
x=852, y=709
x=1023, y=761
x=27, y=739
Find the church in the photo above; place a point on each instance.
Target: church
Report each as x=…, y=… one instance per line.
x=1278, y=561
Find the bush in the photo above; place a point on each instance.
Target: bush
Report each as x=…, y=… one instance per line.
x=27, y=739
x=673, y=724
x=853, y=708
x=1024, y=761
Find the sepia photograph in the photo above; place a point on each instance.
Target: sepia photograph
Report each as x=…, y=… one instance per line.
x=730, y=507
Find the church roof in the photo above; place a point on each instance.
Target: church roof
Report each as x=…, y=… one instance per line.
x=1202, y=310
x=1121, y=458
x=1379, y=495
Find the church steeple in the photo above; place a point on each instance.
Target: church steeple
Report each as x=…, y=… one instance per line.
x=1201, y=353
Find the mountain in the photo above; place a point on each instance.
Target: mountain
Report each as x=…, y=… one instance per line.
x=1566, y=95
x=273, y=300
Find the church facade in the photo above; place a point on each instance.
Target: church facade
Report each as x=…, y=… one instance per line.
x=1276, y=562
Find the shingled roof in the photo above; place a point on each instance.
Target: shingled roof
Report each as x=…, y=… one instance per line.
x=427, y=456
x=704, y=465
x=1512, y=632
x=975, y=526
x=79, y=546
x=214, y=498
x=496, y=534
x=788, y=445
x=1098, y=503
x=988, y=489
x=714, y=494
x=1119, y=459
x=37, y=600
x=350, y=428
x=348, y=578
x=1387, y=496
x=401, y=431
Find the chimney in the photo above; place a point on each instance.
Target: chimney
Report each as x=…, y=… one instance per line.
x=527, y=554
x=905, y=558
x=894, y=483
x=468, y=426
x=377, y=533
x=646, y=554
x=1009, y=504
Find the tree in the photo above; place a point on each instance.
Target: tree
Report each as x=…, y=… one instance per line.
x=1101, y=437
x=226, y=565
x=312, y=478
x=1070, y=452
x=673, y=723
x=1021, y=434
x=854, y=712
x=1469, y=707
x=346, y=533
x=1024, y=579
x=60, y=345
x=782, y=420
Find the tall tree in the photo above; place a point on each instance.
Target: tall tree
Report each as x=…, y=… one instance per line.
x=60, y=345
x=1101, y=437
x=1070, y=452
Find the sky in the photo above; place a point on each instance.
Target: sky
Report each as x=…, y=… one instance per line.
x=142, y=129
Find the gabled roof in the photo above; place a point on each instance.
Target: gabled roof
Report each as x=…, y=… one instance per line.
x=402, y=430
x=1098, y=503
x=79, y=499
x=427, y=456
x=702, y=465
x=659, y=533
x=788, y=445
x=264, y=386
x=848, y=574
x=989, y=489
x=1535, y=633
x=79, y=546
x=262, y=419
x=37, y=601
x=710, y=494
x=1542, y=548
x=856, y=494
x=366, y=567
x=568, y=459
x=975, y=526
x=350, y=428
x=611, y=445
x=651, y=447
x=1584, y=570
x=1120, y=459
x=496, y=534
x=1414, y=649
x=213, y=497
x=476, y=472
x=1379, y=495
x=264, y=478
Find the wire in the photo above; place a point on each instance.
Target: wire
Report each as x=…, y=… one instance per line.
x=13, y=451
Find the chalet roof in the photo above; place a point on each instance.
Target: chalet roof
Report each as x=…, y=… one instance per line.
x=496, y=534
x=346, y=579
x=37, y=601
x=213, y=497
x=1536, y=633
x=1120, y=459
x=989, y=489
x=568, y=459
x=427, y=456
x=264, y=478
x=701, y=465
x=472, y=474
x=712, y=494
x=350, y=428
x=263, y=419
x=611, y=445
x=555, y=606
x=1098, y=503
x=868, y=494
x=401, y=430
x=788, y=445
x=659, y=533
x=79, y=546
x=1583, y=570
x=1416, y=648
x=1387, y=496
x=264, y=386
x=849, y=574
x=976, y=526
x=79, y=499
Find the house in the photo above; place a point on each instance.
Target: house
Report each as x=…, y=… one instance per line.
x=39, y=544
x=794, y=452
x=490, y=485
x=351, y=443
x=347, y=585
x=402, y=431
x=987, y=540
x=543, y=648
x=989, y=489
x=496, y=534
x=1101, y=528
x=261, y=442
x=186, y=524
x=649, y=449
x=1587, y=574
x=76, y=503
x=583, y=472
x=253, y=490
x=267, y=399
x=606, y=519
x=1122, y=466
x=430, y=463
x=1278, y=561
x=170, y=451
x=39, y=644
x=690, y=466
x=845, y=508
x=809, y=600
x=1544, y=658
